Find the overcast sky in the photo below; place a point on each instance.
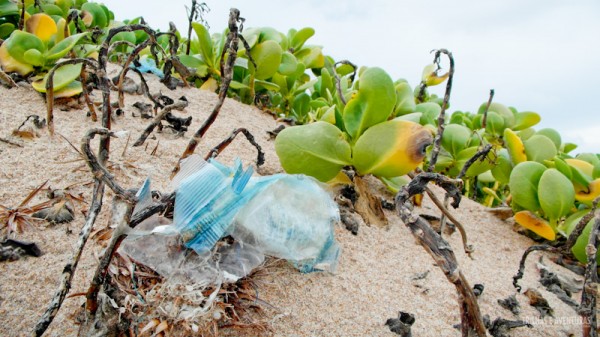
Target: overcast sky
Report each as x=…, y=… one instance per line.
x=538, y=55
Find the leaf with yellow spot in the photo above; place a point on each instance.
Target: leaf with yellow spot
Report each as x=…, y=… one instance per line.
x=72, y=89
x=63, y=76
x=535, y=224
x=515, y=147
x=21, y=42
x=10, y=64
x=592, y=192
x=391, y=149
x=42, y=26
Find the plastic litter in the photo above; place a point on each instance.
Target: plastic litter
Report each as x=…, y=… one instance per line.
x=292, y=219
x=285, y=216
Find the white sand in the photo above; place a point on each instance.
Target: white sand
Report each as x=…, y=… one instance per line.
x=373, y=281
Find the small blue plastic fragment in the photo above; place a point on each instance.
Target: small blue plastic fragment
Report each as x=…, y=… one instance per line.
x=147, y=65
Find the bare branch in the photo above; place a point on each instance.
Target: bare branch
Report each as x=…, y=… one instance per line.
x=231, y=46
x=214, y=152
x=587, y=309
x=180, y=104
x=442, y=117
x=441, y=252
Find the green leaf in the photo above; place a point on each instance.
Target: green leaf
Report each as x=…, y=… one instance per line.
x=494, y=124
x=555, y=194
x=478, y=167
x=34, y=57
x=539, y=148
x=62, y=77
x=430, y=111
x=288, y=65
x=553, y=135
x=301, y=106
x=405, y=101
x=568, y=147
x=413, y=117
x=72, y=89
x=319, y=150
x=563, y=167
x=391, y=148
x=300, y=37
x=524, y=120
x=504, y=112
x=267, y=56
x=372, y=104
x=99, y=15
x=206, y=44
x=266, y=85
x=395, y=184
x=311, y=57
x=6, y=29
x=523, y=184
x=501, y=171
x=63, y=47
x=20, y=42
x=455, y=138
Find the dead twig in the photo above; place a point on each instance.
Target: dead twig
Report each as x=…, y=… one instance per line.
x=487, y=107
x=104, y=82
x=195, y=14
x=442, y=117
x=8, y=141
x=587, y=309
x=338, y=81
x=528, y=251
x=572, y=239
x=231, y=47
x=180, y=104
x=122, y=210
x=99, y=171
x=214, y=152
x=50, y=87
x=9, y=81
x=480, y=154
x=440, y=250
x=71, y=266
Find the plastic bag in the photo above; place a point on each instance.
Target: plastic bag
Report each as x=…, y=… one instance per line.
x=292, y=219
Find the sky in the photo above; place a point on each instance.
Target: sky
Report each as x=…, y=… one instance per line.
x=538, y=55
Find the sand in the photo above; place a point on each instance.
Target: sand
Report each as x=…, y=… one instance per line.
x=374, y=279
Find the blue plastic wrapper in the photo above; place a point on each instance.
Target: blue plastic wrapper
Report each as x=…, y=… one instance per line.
x=285, y=216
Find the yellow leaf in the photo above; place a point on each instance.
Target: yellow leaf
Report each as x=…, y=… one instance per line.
x=42, y=26
x=535, y=224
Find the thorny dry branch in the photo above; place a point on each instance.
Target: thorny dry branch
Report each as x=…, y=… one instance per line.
x=440, y=250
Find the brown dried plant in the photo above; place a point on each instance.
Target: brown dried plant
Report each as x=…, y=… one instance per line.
x=18, y=219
